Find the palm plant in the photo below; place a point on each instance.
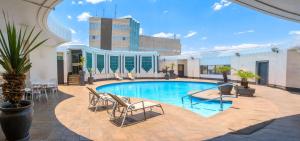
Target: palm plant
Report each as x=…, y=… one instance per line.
x=245, y=75
x=16, y=46
x=224, y=70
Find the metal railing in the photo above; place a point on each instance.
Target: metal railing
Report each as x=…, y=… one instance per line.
x=220, y=97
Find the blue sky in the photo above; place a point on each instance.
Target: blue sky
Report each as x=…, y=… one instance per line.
x=200, y=24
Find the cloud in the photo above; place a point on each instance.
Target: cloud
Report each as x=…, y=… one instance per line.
x=242, y=46
x=166, y=35
x=73, y=2
x=165, y=11
x=80, y=2
x=84, y=16
x=294, y=32
x=69, y=17
x=244, y=32
x=141, y=31
x=73, y=31
x=97, y=1
x=190, y=34
x=126, y=16
x=221, y=4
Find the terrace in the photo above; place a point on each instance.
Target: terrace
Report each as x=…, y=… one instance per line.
x=264, y=117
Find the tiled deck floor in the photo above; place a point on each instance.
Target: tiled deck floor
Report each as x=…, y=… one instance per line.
x=67, y=118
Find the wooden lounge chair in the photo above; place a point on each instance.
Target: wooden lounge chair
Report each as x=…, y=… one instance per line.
x=117, y=76
x=130, y=76
x=129, y=107
x=96, y=98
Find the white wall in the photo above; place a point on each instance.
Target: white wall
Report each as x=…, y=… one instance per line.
x=277, y=65
x=193, y=68
x=44, y=65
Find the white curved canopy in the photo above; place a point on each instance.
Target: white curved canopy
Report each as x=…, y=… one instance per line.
x=287, y=9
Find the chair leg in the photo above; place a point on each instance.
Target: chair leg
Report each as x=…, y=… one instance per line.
x=163, y=112
x=144, y=113
x=124, y=117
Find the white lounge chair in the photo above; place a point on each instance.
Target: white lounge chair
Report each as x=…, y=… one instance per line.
x=117, y=76
x=96, y=98
x=130, y=76
x=129, y=107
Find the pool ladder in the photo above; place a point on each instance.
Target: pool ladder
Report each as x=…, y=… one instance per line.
x=190, y=95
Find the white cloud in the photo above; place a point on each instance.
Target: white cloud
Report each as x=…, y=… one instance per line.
x=80, y=2
x=126, y=16
x=190, y=34
x=141, y=32
x=165, y=11
x=73, y=31
x=244, y=32
x=294, y=32
x=242, y=46
x=73, y=2
x=221, y=4
x=97, y=1
x=84, y=16
x=69, y=17
x=166, y=35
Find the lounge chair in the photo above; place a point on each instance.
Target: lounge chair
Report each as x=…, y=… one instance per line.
x=130, y=76
x=117, y=76
x=98, y=97
x=130, y=107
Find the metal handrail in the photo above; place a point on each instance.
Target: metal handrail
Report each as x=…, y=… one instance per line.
x=221, y=95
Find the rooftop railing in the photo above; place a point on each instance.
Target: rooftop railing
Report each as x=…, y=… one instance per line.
x=58, y=29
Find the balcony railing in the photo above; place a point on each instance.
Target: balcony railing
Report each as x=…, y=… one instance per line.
x=58, y=29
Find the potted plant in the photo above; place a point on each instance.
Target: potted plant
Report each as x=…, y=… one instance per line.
x=81, y=72
x=90, y=78
x=245, y=76
x=224, y=70
x=171, y=72
x=16, y=46
x=166, y=70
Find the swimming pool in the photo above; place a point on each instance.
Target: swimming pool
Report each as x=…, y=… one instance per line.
x=169, y=92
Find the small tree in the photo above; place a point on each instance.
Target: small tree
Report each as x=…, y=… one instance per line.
x=224, y=70
x=81, y=62
x=245, y=76
x=16, y=46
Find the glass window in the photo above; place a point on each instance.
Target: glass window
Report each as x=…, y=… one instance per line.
x=129, y=63
x=100, y=62
x=146, y=63
x=114, y=63
x=211, y=69
x=89, y=60
x=203, y=69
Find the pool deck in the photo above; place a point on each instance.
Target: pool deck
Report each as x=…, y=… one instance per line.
x=273, y=114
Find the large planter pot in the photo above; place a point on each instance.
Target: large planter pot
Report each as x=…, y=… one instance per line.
x=226, y=89
x=167, y=76
x=90, y=80
x=16, y=121
x=242, y=91
x=81, y=75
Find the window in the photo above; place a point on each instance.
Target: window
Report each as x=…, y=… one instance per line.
x=211, y=69
x=100, y=62
x=114, y=63
x=89, y=59
x=129, y=63
x=146, y=63
x=203, y=69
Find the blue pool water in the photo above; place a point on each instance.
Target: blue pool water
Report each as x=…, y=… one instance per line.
x=169, y=92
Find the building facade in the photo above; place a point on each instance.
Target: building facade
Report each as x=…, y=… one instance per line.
x=164, y=46
x=277, y=67
x=104, y=63
x=114, y=34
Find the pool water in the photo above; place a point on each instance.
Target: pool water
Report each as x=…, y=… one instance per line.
x=170, y=92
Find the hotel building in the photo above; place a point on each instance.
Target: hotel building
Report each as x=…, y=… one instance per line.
x=114, y=34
